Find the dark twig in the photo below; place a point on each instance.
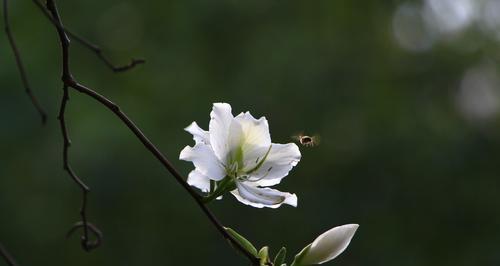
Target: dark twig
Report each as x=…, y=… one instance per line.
x=92, y=47
x=97, y=50
x=69, y=81
x=88, y=226
x=20, y=65
x=86, y=244
x=6, y=256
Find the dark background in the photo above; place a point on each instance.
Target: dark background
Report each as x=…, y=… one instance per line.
x=404, y=95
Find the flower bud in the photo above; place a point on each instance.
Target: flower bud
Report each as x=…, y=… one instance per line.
x=327, y=246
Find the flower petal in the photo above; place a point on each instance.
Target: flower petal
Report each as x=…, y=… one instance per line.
x=204, y=160
x=262, y=197
x=199, y=180
x=249, y=138
x=199, y=135
x=280, y=160
x=329, y=245
x=220, y=121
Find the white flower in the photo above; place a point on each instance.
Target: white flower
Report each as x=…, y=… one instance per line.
x=327, y=246
x=240, y=149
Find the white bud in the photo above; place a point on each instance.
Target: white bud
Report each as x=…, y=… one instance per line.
x=327, y=246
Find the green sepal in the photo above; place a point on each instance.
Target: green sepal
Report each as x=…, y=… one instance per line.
x=243, y=241
x=264, y=256
x=298, y=258
x=280, y=257
x=225, y=185
x=212, y=186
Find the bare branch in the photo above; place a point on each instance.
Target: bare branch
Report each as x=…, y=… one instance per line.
x=86, y=244
x=92, y=47
x=20, y=65
x=97, y=50
x=70, y=82
x=98, y=234
x=6, y=256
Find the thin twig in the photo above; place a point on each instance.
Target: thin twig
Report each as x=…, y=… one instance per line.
x=6, y=256
x=85, y=240
x=86, y=244
x=98, y=51
x=93, y=47
x=20, y=65
x=69, y=81
x=92, y=228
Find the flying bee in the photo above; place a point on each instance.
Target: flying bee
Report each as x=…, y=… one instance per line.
x=307, y=141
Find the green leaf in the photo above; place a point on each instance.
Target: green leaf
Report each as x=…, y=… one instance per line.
x=298, y=258
x=243, y=241
x=280, y=257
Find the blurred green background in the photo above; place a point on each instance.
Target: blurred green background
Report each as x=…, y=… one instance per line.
x=405, y=97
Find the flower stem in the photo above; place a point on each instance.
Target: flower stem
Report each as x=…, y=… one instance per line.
x=225, y=185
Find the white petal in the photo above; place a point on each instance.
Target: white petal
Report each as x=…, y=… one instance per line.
x=220, y=121
x=199, y=135
x=204, y=160
x=329, y=245
x=255, y=133
x=198, y=180
x=250, y=137
x=280, y=160
x=263, y=197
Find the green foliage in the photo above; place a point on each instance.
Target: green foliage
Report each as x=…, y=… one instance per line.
x=280, y=257
x=298, y=258
x=264, y=256
x=243, y=241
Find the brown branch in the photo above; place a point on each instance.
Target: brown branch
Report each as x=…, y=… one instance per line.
x=6, y=256
x=93, y=47
x=92, y=228
x=86, y=244
x=97, y=50
x=70, y=82
x=20, y=65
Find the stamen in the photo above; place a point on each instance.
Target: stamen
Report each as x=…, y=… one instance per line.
x=233, y=170
x=260, y=178
x=259, y=163
x=243, y=178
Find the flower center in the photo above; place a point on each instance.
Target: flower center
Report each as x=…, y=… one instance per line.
x=236, y=168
